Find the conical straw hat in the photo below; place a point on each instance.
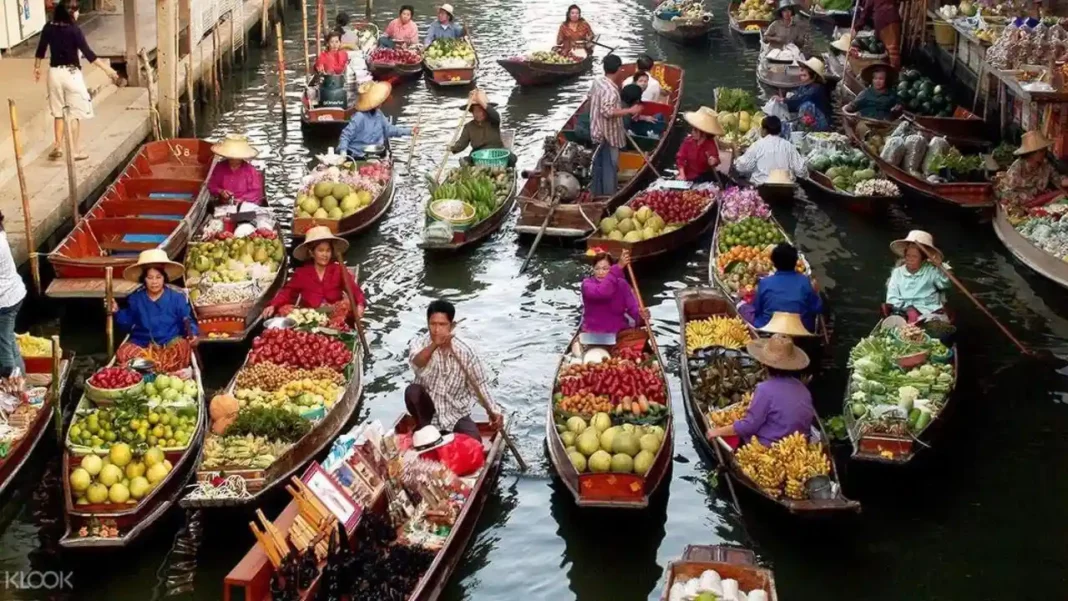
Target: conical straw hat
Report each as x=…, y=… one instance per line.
x=786, y=323
x=235, y=146
x=153, y=257
x=704, y=119
x=313, y=237
x=778, y=352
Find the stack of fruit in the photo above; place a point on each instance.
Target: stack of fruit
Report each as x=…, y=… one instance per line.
x=549, y=58
x=845, y=168
x=628, y=225
x=230, y=260
x=633, y=384
x=338, y=192
x=741, y=129
x=730, y=414
x=600, y=447
x=450, y=53
x=754, y=10
x=920, y=95
x=783, y=468
x=118, y=477
x=133, y=422
x=582, y=404
x=716, y=331
x=483, y=188
x=295, y=348
x=751, y=231
x=391, y=56
x=32, y=346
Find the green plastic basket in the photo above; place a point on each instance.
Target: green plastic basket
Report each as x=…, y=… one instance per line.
x=490, y=157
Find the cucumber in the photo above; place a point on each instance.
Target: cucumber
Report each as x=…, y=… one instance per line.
x=922, y=421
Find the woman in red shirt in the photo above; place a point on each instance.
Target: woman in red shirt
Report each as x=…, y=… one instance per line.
x=333, y=60
x=319, y=283
x=698, y=156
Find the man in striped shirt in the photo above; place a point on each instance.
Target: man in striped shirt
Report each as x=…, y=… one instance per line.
x=606, y=127
x=770, y=152
x=441, y=394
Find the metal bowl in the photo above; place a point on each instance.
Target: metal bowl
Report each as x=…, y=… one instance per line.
x=279, y=323
x=819, y=488
x=375, y=149
x=143, y=365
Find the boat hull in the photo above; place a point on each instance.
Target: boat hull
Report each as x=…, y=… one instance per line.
x=662, y=244
x=528, y=73
x=480, y=231
x=357, y=222
x=684, y=32
x=817, y=185
x=1027, y=253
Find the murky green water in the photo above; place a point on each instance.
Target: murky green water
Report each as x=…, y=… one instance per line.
x=979, y=518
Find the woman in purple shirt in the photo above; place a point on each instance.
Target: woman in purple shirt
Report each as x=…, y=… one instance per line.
x=607, y=299
x=235, y=180
x=781, y=404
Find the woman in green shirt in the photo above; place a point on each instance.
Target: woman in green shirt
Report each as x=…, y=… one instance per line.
x=878, y=100
x=917, y=285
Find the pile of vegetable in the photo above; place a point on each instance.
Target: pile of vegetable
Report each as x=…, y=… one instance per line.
x=783, y=468
x=631, y=381
x=723, y=377
x=335, y=192
x=401, y=56
x=922, y=96
x=864, y=44
x=450, y=53
x=923, y=155
x=484, y=188
x=733, y=100
x=683, y=10
x=1046, y=230
x=845, y=168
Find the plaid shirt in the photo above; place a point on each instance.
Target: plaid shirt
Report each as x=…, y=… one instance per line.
x=604, y=98
x=444, y=380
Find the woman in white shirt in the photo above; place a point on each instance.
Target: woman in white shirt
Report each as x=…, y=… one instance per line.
x=651, y=92
x=12, y=292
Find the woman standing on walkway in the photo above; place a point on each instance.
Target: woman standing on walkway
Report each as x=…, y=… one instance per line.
x=66, y=86
x=12, y=293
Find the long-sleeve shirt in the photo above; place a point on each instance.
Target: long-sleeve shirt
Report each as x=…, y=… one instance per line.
x=332, y=61
x=368, y=128
x=245, y=182
x=652, y=91
x=607, y=302
x=444, y=380
x=780, y=407
x=306, y=289
x=789, y=292
x=781, y=34
x=403, y=33
x=12, y=289
x=810, y=92
x=479, y=135
x=875, y=105
x=604, y=98
x=1022, y=182
x=65, y=42
x=770, y=152
x=569, y=39
x=439, y=31
x=159, y=321
x=692, y=158
x=921, y=290
x=881, y=12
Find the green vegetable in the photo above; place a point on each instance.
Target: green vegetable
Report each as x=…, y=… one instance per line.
x=922, y=421
x=859, y=410
x=731, y=100
x=274, y=423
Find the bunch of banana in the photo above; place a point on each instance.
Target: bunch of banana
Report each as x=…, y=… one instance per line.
x=729, y=415
x=240, y=452
x=32, y=346
x=718, y=330
x=761, y=467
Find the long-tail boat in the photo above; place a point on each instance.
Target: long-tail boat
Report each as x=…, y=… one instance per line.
x=478, y=231
x=533, y=73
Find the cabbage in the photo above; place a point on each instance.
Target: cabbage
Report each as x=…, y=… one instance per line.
x=906, y=396
x=928, y=370
x=945, y=377
x=859, y=397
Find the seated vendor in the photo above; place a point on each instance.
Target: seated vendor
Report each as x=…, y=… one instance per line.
x=878, y=100
x=781, y=405
x=334, y=59
x=401, y=32
x=784, y=291
x=811, y=100
x=235, y=180
x=787, y=28
x=158, y=317
x=368, y=125
x=1031, y=181
x=608, y=301
x=646, y=126
x=319, y=283
x=484, y=129
x=917, y=285
x=698, y=155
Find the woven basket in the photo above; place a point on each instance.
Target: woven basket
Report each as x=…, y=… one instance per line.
x=490, y=157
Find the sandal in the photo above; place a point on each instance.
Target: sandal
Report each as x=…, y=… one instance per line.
x=81, y=156
x=55, y=154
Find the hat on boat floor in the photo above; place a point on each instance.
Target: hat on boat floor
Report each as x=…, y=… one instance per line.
x=429, y=438
x=919, y=237
x=778, y=352
x=313, y=237
x=153, y=257
x=235, y=146
x=786, y=323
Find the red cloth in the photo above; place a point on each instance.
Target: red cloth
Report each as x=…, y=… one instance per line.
x=313, y=292
x=332, y=61
x=692, y=157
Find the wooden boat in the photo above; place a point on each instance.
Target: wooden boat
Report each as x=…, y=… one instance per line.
x=579, y=219
x=358, y=221
x=131, y=520
x=530, y=73
x=777, y=193
x=683, y=31
x=608, y=490
x=741, y=26
x=1027, y=253
x=392, y=71
x=158, y=201
x=701, y=303
x=661, y=244
x=479, y=231
x=730, y=562
x=260, y=482
x=818, y=185
x=453, y=77
x=962, y=194
x=840, y=18
x=250, y=579
x=323, y=117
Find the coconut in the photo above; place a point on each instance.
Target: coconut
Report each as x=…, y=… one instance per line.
x=642, y=462
x=633, y=237
x=624, y=212
x=622, y=464
x=608, y=224
x=600, y=462
x=626, y=225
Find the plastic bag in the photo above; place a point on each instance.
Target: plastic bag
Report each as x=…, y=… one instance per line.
x=915, y=149
x=778, y=109
x=902, y=130
x=893, y=151
x=936, y=148
x=463, y=455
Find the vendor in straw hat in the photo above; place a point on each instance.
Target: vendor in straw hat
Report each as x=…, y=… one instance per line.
x=444, y=27
x=609, y=305
x=781, y=404
x=787, y=28
x=698, y=156
x=1031, y=181
x=235, y=179
x=158, y=317
x=878, y=100
x=368, y=125
x=484, y=128
x=811, y=100
x=917, y=284
x=319, y=283
x=786, y=290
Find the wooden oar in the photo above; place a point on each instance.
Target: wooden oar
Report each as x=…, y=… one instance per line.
x=596, y=43
x=415, y=139
x=109, y=296
x=473, y=385
x=31, y=248
x=645, y=157
x=351, y=293
x=641, y=305
x=726, y=474
x=455, y=136
x=553, y=202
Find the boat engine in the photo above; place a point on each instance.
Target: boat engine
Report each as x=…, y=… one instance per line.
x=572, y=169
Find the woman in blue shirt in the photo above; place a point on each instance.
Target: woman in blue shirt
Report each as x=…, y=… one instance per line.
x=810, y=101
x=917, y=285
x=785, y=291
x=369, y=126
x=157, y=316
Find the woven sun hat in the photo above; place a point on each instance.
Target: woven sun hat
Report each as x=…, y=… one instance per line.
x=480, y=99
x=429, y=438
x=919, y=237
x=868, y=72
x=235, y=146
x=447, y=8
x=154, y=257
x=704, y=119
x=313, y=237
x=783, y=5
x=779, y=177
x=814, y=65
x=372, y=95
x=1032, y=141
x=786, y=323
x=778, y=352
x=843, y=43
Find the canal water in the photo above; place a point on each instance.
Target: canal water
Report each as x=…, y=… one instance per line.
x=980, y=517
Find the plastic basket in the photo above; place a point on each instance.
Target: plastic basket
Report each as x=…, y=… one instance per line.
x=945, y=35
x=490, y=157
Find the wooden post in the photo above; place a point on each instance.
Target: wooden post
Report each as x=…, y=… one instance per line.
x=150, y=79
x=263, y=23
x=56, y=388
x=129, y=21
x=318, y=27
x=369, y=5
x=190, y=96
x=167, y=65
x=304, y=19
x=72, y=175
x=31, y=248
x=109, y=297
x=281, y=68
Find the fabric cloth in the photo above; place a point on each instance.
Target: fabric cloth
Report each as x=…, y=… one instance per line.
x=780, y=407
x=159, y=321
x=604, y=99
x=443, y=379
x=692, y=158
x=421, y=406
x=652, y=92
x=171, y=357
x=605, y=177
x=874, y=104
x=367, y=128
x=66, y=88
x=245, y=183
x=891, y=38
x=880, y=12
x=306, y=289
x=781, y=34
x=486, y=134
x=332, y=62
x=789, y=292
x=439, y=31
x=569, y=39
x=645, y=129
x=811, y=99
x=402, y=33
x=1022, y=183
x=607, y=303
x=770, y=152
x=64, y=41
x=921, y=290
x=10, y=356
x=12, y=289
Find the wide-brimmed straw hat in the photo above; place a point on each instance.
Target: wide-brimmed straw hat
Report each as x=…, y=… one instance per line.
x=447, y=8
x=779, y=177
x=778, y=352
x=843, y=43
x=313, y=237
x=481, y=99
x=704, y=119
x=235, y=146
x=868, y=72
x=783, y=5
x=1033, y=141
x=372, y=95
x=789, y=324
x=918, y=237
x=814, y=65
x=429, y=438
x=154, y=257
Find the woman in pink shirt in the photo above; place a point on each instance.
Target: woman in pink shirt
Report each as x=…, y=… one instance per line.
x=401, y=31
x=235, y=179
x=607, y=299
